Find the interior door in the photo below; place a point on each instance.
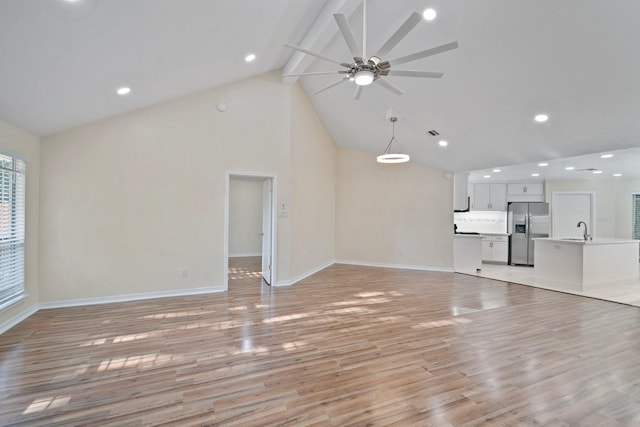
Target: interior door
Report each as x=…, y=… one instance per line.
x=567, y=209
x=266, y=230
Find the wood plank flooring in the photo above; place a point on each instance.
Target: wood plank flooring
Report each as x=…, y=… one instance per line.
x=347, y=346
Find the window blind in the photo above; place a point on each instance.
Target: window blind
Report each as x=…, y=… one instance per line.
x=12, y=225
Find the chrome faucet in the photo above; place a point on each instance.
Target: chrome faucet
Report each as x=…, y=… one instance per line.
x=586, y=235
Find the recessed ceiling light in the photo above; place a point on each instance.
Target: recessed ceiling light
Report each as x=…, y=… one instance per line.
x=543, y=164
x=429, y=14
x=617, y=174
x=535, y=174
x=606, y=156
x=570, y=168
x=497, y=170
x=443, y=143
x=250, y=57
x=123, y=91
x=541, y=118
x=597, y=172
x=487, y=176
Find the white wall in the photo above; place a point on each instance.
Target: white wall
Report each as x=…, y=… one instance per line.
x=245, y=217
x=613, y=201
x=313, y=188
x=393, y=214
x=20, y=143
x=129, y=202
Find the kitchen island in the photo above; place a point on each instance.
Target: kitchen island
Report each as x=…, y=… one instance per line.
x=578, y=264
x=467, y=253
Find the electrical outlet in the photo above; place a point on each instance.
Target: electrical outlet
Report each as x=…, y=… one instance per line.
x=184, y=272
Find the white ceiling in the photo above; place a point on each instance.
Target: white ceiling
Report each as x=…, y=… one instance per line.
x=575, y=60
x=625, y=163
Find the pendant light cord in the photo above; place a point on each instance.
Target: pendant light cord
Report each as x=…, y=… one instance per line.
x=393, y=136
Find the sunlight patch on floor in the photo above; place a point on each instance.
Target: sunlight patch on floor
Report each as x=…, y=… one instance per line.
x=285, y=318
x=294, y=345
x=45, y=403
x=177, y=314
x=352, y=310
x=100, y=341
x=444, y=322
x=153, y=359
x=369, y=294
x=390, y=318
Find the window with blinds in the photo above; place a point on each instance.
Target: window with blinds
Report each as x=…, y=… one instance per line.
x=636, y=216
x=12, y=220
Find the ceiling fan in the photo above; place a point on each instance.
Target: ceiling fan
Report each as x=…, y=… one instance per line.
x=366, y=71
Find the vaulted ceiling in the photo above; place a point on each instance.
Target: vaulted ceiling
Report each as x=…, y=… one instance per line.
x=575, y=60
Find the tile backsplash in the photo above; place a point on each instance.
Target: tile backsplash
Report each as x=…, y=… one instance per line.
x=481, y=221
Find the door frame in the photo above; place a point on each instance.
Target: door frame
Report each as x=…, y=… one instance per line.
x=274, y=182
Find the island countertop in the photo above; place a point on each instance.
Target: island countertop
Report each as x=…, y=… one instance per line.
x=596, y=241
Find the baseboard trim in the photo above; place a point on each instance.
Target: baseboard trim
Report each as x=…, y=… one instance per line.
x=399, y=266
x=304, y=275
x=129, y=297
x=13, y=321
x=245, y=255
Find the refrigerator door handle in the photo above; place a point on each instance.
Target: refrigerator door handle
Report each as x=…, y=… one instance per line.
x=528, y=236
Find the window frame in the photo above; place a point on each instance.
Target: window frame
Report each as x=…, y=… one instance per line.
x=13, y=231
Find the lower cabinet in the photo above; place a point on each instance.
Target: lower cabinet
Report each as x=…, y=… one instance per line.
x=495, y=249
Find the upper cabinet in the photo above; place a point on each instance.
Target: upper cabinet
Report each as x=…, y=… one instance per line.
x=525, y=192
x=495, y=196
x=489, y=197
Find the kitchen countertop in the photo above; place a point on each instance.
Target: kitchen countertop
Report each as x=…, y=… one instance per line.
x=596, y=241
x=468, y=235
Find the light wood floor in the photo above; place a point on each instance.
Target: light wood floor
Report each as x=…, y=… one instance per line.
x=347, y=346
x=623, y=291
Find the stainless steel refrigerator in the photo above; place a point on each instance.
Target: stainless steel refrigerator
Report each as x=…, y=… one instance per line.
x=525, y=222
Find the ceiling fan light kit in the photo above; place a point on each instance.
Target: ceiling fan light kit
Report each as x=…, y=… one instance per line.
x=388, y=156
x=364, y=71
x=364, y=77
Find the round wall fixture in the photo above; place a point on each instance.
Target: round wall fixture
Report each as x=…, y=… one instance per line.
x=222, y=107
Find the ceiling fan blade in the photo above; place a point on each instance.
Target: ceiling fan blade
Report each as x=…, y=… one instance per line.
x=390, y=87
x=357, y=93
x=329, y=86
x=411, y=73
x=345, y=29
x=315, y=73
x=317, y=55
x=404, y=29
x=423, y=54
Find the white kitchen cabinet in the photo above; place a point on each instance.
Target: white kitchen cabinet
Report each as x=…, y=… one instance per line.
x=495, y=249
x=489, y=197
x=525, y=192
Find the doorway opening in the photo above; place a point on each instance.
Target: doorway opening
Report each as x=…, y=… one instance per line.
x=249, y=229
